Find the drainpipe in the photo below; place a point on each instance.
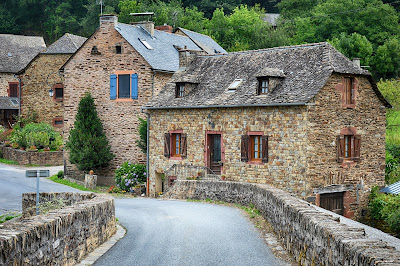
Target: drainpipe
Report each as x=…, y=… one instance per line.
x=19, y=94
x=147, y=153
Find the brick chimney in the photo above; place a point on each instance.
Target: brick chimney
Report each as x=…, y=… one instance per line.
x=165, y=27
x=108, y=21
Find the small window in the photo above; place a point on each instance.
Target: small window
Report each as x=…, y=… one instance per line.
x=262, y=86
x=254, y=147
x=176, y=144
x=13, y=89
x=58, y=92
x=349, y=90
x=180, y=90
x=124, y=86
x=58, y=122
x=348, y=148
x=118, y=49
x=146, y=44
x=94, y=50
x=235, y=84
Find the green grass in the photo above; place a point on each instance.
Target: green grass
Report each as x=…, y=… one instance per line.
x=251, y=210
x=54, y=178
x=8, y=216
x=393, y=127
x=8, y=161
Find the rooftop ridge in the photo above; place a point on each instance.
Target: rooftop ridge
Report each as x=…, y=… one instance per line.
x=272, y=49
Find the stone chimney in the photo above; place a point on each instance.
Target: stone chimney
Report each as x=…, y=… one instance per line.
x=147, y=25
x=356, y=62
x=165, y=27
x=108, y=21
x=186, y=56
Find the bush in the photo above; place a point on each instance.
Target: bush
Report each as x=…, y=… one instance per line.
x=128, y=175
x=6, y=135
x=60, y=174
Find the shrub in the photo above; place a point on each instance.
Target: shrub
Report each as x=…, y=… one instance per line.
x=128, y=175
x=60, y=174
x=87, y=144
x=6, y=135
x=142, y=130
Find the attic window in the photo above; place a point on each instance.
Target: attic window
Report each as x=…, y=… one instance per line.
x=180, y=90
x=235, y=84
x=146, y=44
x=263, y=84
x=95, y=50
x=118, y=49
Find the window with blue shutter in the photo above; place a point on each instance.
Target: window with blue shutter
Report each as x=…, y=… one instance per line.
x=134, y=86
x=113, y=87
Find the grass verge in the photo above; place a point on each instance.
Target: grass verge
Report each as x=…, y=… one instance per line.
x=54, y=178
x=8, y=216
x=5, y=161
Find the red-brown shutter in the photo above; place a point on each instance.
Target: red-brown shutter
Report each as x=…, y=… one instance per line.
x=357, y=147
x=340, y=148
x=184, y=145
x=264, y=158
x=245, y=148
x=167, y=145
x=353, y=90
x=13, y=89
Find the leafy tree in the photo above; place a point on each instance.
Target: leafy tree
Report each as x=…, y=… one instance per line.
x=354, y=45
x=87, y=144
x=142, y=130
x=387, y=59
x=290, y=9
x=127, y=7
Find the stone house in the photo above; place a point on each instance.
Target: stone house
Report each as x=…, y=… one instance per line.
x=122, y=66
x=303, y=118
x=16, y=51
x=42, y=75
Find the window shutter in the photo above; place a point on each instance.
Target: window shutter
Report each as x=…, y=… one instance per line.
x=340, y=148
x=264, y=148
x=245, y=148
x=184, y=145
x=357, y=146
x=353, y=90
x=167, y=145
x=113, y=87
x=134, y=86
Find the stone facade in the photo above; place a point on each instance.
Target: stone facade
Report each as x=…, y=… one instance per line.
x=312, y=237
x=91, y=72
x=62, y=236
x=5, y=78
x=38, y=78
x=302, y=143
x=45, y=158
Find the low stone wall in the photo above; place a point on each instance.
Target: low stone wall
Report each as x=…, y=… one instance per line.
x=311, y=236
x=47, y=158
x=62, y=236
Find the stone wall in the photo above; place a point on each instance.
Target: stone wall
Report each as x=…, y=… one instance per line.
x=91, y=72
x=60, y=237
x=285, y=126
x=41, y=74
x=312, y=237
x=5, y=78
x=45, y=158
x=326, y=118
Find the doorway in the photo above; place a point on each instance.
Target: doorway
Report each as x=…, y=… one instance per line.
x=214, y=152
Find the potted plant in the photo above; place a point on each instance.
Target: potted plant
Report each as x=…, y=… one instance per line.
x=46, y=149
x=32, y=148
x=91, y=172
x=222, y=177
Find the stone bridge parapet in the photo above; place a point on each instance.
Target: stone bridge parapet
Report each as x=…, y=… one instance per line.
x=60, y=237
x=311, y=236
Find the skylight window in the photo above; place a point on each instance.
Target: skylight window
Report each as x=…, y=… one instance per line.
x=146, y=44
x=15, y=102
x=235, y=84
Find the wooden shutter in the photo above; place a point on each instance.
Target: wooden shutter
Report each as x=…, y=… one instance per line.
x=134, y=86
x=353, y=90
x=113, y=87
x=357, y=146
x=264, y=141
x=167, y=145
x=340, y=148
x=184, y=145
x=245, y=148
x=13, y=90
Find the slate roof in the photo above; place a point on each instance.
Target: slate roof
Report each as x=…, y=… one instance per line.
x=164, y=56
x=67, y=44
x=204, y=41
x=9, y=103
x=303, y=71
x=392, y=189
x=16, y=51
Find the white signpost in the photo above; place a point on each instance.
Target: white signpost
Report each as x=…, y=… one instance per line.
x=37, y=174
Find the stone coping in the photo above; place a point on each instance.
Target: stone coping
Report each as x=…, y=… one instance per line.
x=45, y=158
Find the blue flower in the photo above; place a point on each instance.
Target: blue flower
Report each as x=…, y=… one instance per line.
x=144, y=173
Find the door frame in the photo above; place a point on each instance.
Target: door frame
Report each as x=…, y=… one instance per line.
x=207, y=150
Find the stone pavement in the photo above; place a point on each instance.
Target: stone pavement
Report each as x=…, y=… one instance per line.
x=98, y=252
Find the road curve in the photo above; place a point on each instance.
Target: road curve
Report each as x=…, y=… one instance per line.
x=185, y=233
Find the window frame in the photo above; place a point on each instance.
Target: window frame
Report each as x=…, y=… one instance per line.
x=252, y=149
x=247, y=148
x=174, y=142
x=348, y=146
x=118, y=49
x=170, y=145
x=57, y=119
x=9, y=89
x=180, y=90
x=55, y=87
x=260, y=87
x=348, y=89
x=125, y=72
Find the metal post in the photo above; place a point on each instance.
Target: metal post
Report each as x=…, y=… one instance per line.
x=37, y=192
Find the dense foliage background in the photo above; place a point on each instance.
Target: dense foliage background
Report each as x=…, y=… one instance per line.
x=368, y=29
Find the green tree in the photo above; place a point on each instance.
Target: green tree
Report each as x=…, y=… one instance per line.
x=387, y=59
x=87, y=144
x=142, y=130
x=291, y=9
x=354, y=45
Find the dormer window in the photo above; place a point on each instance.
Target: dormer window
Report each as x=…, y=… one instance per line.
x=118, y=49
x=234, y=84
x=180, y=90
x=263, y=84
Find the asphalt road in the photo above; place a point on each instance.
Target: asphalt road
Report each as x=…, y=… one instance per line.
x=13, y=183
x=185, y=233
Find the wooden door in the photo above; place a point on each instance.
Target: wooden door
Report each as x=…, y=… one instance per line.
x=215, y=153
x=332, y=202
